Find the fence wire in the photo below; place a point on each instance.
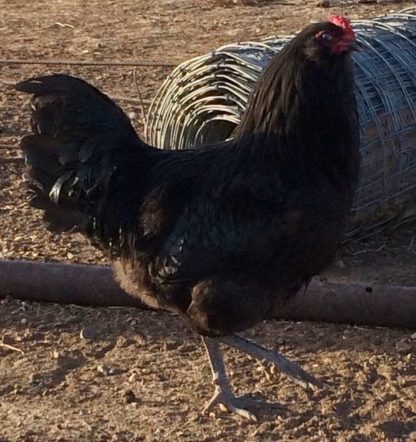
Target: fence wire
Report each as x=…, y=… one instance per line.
x=202, y=100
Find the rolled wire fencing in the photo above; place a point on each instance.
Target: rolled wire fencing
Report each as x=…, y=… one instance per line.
x=202, y=101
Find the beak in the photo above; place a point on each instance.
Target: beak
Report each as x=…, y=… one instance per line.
x=354, y=46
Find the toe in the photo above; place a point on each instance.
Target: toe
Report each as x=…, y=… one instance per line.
x=243, y=412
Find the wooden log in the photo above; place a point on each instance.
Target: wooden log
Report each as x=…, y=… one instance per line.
x=353, y=303
x=62, y=283
x=349, y=303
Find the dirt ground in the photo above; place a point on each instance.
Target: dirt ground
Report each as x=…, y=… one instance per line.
x=115, y=374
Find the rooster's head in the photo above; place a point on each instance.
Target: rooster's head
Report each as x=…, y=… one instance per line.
x=334, y=37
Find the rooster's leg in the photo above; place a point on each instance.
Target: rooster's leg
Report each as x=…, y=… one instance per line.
x=287, y=367
x=223, y=394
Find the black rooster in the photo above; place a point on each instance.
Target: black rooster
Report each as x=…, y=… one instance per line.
x=220, y=234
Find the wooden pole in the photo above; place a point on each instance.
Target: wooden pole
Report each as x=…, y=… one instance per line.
x=62, y=283
x=350, y=303
x=354, y=303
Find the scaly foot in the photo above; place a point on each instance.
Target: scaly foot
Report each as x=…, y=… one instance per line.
x=290, y=369
x=223, y=394
x=235, y=404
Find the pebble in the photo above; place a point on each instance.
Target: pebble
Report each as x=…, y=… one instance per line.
x=88, y=333
x=105, y=370
x=169, y=345
x=140, y=339
x=340, y=264
x=403, y=347
x=413, y=336
x=35, y=379
x=129, y=397
x=56, y=354
x=133, y=377
x=124, y=342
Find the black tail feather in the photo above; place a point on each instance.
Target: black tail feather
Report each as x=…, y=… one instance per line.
x=79, y=139
x=68, y=107
x=40, y=153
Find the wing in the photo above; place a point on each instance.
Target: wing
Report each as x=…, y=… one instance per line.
x=228, y=225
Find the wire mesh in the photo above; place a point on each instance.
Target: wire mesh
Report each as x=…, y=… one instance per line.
x=202, y=100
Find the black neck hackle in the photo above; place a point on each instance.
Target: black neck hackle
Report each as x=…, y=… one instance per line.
x=303, y=110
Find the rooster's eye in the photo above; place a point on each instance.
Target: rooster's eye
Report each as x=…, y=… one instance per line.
x=326, y=36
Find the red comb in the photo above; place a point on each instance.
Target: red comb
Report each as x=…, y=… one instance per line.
x=342, y=22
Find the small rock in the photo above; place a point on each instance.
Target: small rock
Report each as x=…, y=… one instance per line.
x=105, y=370
x=109, y=371
x=88, y=334
x=279, y=342
x=413, y=336
x=124, y=342
x=324, y=4
x=35, y=379
x=140, y=339
x=340, y=264
x=132, y=115
x=133, y=377
x=56, y=354
x=129, y=397
x=169, y=345
x=403, y=347
x=23, y=321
